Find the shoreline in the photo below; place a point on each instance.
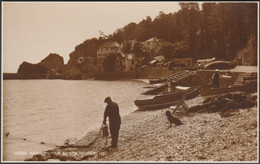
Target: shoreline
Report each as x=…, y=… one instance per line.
x=146, y=136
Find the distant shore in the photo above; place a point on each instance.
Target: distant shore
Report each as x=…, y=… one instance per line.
x=143, y=74
x=151, y=72
x=16, y=76
x=146, y=136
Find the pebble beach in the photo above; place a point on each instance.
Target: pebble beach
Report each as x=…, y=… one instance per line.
x=146, y=136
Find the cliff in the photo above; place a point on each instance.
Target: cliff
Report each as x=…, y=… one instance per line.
x=51, y=67
x=28, y=68
x=85, y=49
x=53, y=61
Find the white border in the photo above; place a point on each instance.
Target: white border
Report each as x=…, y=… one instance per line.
x=129, y=161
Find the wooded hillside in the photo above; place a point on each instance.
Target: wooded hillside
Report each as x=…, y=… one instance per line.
x=216, y=30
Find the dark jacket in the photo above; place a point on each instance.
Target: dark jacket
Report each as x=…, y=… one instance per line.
x=216, y=78
x=112, y=111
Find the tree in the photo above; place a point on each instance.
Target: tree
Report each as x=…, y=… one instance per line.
x=127, y=47
x=167, y=51
x=138, y=49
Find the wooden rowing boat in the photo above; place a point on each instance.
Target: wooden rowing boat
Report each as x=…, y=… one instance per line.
x=166, y=100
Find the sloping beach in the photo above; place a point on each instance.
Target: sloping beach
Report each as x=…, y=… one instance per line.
x=146, y=136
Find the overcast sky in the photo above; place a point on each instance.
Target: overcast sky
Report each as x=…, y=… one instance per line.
x=31, y=31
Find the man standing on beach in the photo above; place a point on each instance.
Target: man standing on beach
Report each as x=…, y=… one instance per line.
x=112, y=111
x=216, y=79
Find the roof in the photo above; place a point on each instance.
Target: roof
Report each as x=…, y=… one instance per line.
x=155, y=39
x=110, y=44
x=159, y=58
x=153, y=61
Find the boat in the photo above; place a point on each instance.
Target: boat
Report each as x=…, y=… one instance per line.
x=171, y=78
x=176, y=76
x=166, y=100
x=156, y=81
x=156, y=90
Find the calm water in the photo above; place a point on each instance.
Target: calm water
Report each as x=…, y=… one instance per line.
x=52, y=111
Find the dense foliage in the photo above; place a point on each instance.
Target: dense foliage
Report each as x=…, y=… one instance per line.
x=216, y=30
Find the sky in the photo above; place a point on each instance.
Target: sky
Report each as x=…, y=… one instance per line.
x=33, y=30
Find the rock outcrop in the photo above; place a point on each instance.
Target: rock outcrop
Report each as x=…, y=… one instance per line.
x=72, y=73
x=28, y=68
x=53, y=61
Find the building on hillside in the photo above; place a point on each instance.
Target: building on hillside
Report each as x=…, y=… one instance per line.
x=248, y=55
x=130, y=42
x=159, y=58
x=202, y=62
x=120, y=63
x=153, y=45
x=109, y=48
x=99, y=66
x=89, y=65
x=131, y=62
x=182, y=62
x=80, y=59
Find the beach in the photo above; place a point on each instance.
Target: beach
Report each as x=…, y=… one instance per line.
x=146, y=136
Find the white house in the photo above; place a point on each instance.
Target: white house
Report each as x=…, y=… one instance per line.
x=131, y=62
x=109, y=48
x=80, y=59
x=153, y=45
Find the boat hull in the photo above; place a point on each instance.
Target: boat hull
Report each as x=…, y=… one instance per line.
x=161, y=101
x=165, y=100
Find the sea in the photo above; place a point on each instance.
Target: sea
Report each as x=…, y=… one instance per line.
x=37, y=115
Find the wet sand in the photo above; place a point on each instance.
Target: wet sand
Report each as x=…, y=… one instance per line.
x=146, y=136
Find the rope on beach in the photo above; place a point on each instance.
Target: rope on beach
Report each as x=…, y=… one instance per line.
x=54, y=145
x=82, y=146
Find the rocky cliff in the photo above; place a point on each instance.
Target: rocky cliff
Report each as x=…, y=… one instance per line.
x=28, y=68
x=51, y=67
x=54, y=62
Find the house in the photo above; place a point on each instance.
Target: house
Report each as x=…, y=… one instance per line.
x=159, y=58
x=120, y=62
x=131, y=62
x=248, y=55
x=109, y=48
x=153, y=45
x=201, y=63
x=153, y=63
x=100, y=66
x=80, y=59
x=90, y=65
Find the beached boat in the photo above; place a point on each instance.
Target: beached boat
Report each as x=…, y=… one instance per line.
x=165, y=100
x=156, y=81
x=156, y=90
x=164, y=82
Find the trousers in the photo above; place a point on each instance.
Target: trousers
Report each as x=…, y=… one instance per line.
x=114, y=131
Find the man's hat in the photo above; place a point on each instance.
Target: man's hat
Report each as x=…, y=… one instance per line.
x=108, y=99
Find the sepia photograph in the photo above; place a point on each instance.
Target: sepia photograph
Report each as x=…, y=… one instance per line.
x=130, y=81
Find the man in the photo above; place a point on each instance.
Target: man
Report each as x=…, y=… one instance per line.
x=216, y=79
x=112, y=111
